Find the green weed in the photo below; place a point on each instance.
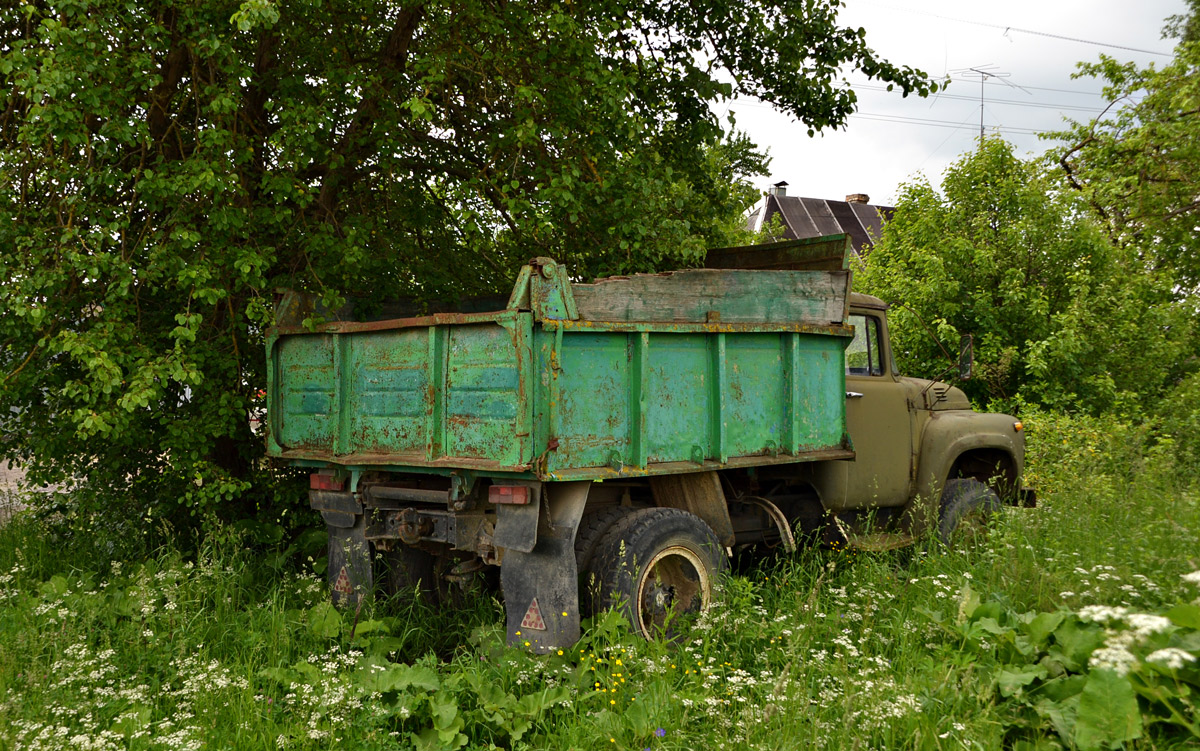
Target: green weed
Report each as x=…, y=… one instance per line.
x=1075, y=627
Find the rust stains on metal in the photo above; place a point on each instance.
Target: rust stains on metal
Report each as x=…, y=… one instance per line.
x=717, y=327
x=663, y=468
x=397, y=459
x=436, y=319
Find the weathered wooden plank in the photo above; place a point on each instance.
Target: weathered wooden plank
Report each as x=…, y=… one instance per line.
x=828, y=253
x=717, y=296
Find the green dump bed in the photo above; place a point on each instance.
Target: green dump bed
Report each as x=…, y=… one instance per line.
x=636, y=375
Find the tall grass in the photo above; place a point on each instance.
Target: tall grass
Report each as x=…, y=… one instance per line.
x=838, y=650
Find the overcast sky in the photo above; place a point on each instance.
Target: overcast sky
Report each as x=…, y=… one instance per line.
x=873, y=156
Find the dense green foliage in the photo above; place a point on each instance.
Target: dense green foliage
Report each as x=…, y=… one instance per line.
x=1076, y=274
x=166, y=166
x=1020, y=645
x=1060, y=315
x=1136, y=164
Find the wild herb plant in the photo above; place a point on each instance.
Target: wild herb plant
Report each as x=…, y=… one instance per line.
x=1074, y=627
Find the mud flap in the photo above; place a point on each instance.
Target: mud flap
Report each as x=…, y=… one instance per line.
x=349, y=572
x=541, y=587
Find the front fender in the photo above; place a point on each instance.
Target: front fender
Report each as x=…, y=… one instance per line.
x=947, y=436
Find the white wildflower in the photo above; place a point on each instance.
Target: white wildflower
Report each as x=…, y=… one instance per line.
x=1193, y=578
x=1145, y=625
x=1171, y=657
x=1114, y=657
x=1102, y=613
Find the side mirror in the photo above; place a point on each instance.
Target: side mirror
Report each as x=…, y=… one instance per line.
x=966, y=357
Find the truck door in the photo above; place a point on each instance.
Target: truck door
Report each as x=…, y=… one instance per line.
x=878, y=419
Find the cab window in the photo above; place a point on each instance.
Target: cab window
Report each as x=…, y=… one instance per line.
x=863, y=355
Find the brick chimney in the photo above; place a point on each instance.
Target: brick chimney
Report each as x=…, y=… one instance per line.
x=858, y=198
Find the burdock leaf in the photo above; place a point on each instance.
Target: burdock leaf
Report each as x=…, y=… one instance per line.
x=1043, y=625
x=1014, y=679
x=1187, y=616
x=324, y=620
x=1108, y=712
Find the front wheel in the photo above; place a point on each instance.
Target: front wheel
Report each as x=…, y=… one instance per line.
x=657, y=564
x=966, y=509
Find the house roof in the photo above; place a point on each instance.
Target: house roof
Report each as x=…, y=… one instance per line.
x=816, y=217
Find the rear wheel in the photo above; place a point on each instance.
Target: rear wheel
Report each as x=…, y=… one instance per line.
x=657, y=564
x=592, y=528
x=966, y=510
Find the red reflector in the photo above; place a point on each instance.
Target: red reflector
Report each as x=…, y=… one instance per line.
x=325, y=481
x=515, y=494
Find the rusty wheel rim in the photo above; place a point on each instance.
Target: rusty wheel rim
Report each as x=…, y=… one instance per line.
x=674, y=582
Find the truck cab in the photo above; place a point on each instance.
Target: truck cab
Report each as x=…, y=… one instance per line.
x=924, y=459
x=911, y=436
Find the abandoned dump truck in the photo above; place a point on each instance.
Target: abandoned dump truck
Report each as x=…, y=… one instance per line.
x=612, y=444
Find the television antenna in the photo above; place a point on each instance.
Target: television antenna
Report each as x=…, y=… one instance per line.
x=985, y=72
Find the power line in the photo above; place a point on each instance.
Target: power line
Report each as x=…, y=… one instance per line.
x=942, y=123
x=903, y=119
x=1024, y=31
x=739, y=102
x=1023, y=86
x=943, y=143
x=1059, y=91
x=1013, y=102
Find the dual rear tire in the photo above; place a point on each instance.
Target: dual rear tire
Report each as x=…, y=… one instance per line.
x=655, y=565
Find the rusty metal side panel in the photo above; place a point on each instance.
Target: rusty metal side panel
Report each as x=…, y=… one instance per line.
x=488, y=412
x=679, y=403
x=303, y=397
x=386, y=391
x=440, y=392
x=636, y=399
